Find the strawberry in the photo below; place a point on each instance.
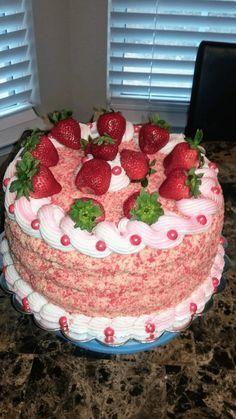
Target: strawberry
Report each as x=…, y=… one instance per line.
x=153, y=135
x=86, y=213
x=181, y=185
x=113, y=124
x=94, y=177
x=104, y=148
x=135, y=164
x=185, y=155
x=129, y=204
x=41, y=148
x=143, y=206
x=66, y=129
x=33, y=179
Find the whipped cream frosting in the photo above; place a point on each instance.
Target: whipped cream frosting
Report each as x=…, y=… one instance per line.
x=42, y=219
x=144, y=328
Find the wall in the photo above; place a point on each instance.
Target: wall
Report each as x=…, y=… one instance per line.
x=51, y=26
x=88, y=39
x=70, y=38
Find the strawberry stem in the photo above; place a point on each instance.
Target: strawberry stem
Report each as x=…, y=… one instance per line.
x=84, y=213
x=156, y=120
x=32, y=141
x=193, y=182
x=147, y=208
x=57, y=116
x=26, y=168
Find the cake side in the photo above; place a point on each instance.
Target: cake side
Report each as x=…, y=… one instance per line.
x=122, y=268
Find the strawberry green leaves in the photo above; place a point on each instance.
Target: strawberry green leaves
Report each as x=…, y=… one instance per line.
x=26, y=168
x=147, y=208
x=86, y=213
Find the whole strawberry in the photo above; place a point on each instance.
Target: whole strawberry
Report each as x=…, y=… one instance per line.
x=104, y=148
x=135, y=164
x=143, y=206
x=185, y=155
x=66, y=129
x=41, y=148
x=86, y=213
x=154, y=135
x=113, y=124
x=180, y=184
x=33, y=179
x=94, y=177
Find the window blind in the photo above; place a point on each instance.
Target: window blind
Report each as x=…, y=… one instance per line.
x=15, y=60
x=153, y=44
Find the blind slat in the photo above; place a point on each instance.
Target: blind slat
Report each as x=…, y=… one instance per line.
x=12, y=38
x=154, y=44
x=10, y=6
x=16, y=99
x=13, y=84
x=9, y=22
x=16, y=69
x=13, y=54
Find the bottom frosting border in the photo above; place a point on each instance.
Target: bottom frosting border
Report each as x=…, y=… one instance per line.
x=110, y=332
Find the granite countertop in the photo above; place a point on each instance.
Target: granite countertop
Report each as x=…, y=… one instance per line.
x=192, y=377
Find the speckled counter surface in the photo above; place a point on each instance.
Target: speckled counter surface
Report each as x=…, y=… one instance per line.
x=192, y=377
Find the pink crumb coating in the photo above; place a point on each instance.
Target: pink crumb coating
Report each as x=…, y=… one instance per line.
x=116, y=285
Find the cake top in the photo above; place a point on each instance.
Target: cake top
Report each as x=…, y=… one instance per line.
x=110, y=186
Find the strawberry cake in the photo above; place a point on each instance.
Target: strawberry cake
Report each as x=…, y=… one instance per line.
x=113, y=230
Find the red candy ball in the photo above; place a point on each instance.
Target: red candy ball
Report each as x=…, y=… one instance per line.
x=193, y=307
x=25, y=304
x=212, y=165
x=65, y=240
x=135, y=240
x=172, y=234
x=35, y=224
x=109, y=332
x=150, y=328
x=222, y=240
x=116, y=170
x=6, y=181
x=63, y=323
x=202, y=219
x=109, y=339
x=101, y=246
x=215, y=189
x=11, y=208
x=215, y=282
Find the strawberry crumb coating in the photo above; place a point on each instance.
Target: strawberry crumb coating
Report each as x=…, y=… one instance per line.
x=116, y=285
x=119, y=284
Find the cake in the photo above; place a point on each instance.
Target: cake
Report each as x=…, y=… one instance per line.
x=149, y=257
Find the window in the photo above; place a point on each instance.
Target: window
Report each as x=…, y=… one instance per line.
x=153, y=44
x=16, y=57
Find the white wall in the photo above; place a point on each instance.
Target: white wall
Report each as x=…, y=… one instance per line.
x=70, y=38
x=88, y=41
x=71, y=47
x=52, y=35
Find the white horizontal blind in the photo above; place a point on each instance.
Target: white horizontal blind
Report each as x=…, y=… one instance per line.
x=153, y=44
x=15, y=59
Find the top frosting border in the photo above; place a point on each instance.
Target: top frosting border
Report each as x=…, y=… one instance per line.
x=57, y=229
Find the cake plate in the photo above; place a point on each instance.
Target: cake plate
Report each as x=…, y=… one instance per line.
x=129, y=347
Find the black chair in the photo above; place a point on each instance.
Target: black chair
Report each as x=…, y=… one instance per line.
x=213, y=99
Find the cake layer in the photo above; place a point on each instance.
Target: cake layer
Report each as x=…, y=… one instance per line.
x=116, y=330
x=118, y=284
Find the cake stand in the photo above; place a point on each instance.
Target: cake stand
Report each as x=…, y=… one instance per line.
x=131, y=346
